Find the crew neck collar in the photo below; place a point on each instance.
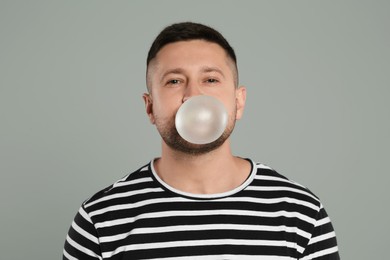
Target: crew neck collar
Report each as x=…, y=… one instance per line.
x=168, y=187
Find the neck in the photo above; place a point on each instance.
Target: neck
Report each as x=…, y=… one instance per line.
x=214, y=172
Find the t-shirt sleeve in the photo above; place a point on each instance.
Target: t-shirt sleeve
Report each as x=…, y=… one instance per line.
x=82, y=240
x=322, y=244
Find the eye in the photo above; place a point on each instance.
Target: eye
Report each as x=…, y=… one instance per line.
x=173, y=82
x=212, y=80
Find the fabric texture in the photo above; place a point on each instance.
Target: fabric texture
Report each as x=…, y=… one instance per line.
x=139, y=217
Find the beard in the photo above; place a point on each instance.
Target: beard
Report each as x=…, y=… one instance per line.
x=170, y=135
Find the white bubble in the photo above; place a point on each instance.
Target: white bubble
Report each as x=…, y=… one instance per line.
x=201, y=119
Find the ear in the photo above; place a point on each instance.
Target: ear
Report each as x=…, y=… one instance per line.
x=240, y=101
x=149, y=107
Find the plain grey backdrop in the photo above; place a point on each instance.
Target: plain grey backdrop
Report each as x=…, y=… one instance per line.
x=73, y=120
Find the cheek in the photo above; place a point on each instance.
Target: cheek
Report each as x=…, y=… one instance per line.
x=165, y=109
x=231, y=106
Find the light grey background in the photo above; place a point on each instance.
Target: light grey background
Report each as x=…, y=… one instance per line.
x=73, y=121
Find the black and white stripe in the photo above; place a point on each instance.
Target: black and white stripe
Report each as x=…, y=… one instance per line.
x=140, y=217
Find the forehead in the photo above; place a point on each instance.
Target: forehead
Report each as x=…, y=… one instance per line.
x=191, y=45
x=190, y=53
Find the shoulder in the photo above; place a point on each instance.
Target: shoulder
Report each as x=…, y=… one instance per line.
x=278, y=185
x=134, y=180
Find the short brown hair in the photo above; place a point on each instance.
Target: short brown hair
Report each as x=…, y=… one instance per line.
x=187, y=31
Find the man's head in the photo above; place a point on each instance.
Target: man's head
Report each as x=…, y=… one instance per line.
x=187, y=31
x=187, y=60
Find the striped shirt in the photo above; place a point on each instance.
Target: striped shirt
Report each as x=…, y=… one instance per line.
x=268, y=217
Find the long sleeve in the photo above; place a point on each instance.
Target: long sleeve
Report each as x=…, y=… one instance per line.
x=82, y=240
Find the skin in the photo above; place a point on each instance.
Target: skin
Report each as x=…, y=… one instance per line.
x=180, y=71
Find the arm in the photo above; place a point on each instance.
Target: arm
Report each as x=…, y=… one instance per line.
x=322, y=244
x=82, y=240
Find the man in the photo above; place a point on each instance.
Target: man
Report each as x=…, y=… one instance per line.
x=198, y=201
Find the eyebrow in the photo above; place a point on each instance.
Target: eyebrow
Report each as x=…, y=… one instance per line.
x=204, y=69
x=172, y=71
x=207, y=69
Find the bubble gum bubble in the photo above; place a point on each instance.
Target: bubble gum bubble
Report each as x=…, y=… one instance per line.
x=201, y=119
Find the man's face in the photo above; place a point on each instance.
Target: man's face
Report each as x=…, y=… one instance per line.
x=185, y=69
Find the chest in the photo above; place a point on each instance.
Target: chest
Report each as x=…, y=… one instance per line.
x=223, y=229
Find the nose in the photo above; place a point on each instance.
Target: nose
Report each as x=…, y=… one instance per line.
x=191, y=90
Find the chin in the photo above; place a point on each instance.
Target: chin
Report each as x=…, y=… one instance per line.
x=177, y=143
